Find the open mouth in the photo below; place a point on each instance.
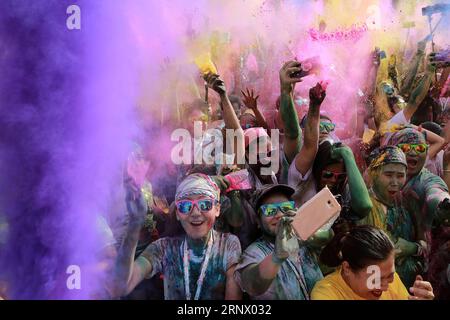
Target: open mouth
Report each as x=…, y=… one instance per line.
x=392, y=192
x=197, y=223
x=412, y=163
x=377, y=293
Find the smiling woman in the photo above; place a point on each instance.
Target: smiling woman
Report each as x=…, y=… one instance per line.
x=366, y=271
x=387, y=173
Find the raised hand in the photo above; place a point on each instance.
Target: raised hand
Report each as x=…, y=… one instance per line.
x=221, y=182
x=286, y=243
x=216, y=83
x=135, y=202
x=404, y=248
x=287, y=80
x=442, y=217
x=339, y=151
x=250, y=101
x=317, y=94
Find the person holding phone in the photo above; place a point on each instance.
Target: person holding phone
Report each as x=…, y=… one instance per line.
x=277, y=266
x=365, y=257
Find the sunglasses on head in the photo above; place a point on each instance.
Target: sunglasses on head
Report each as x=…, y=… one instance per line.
x=326, y=126
x=271, y=209
x=204, y=205
x=418, y=148
x=330, y=174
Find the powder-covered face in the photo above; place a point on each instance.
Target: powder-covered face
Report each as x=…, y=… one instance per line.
x=361, y=281
x=388, y=89
x=324, y=133
x=416, y=160
x=197, y=224
x=248, y=121
x=237, y=109
x=387, y=182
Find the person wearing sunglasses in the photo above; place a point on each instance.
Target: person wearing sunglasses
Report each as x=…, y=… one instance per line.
x=423, y=190
x=426, y=197
x=387, y=176
x=197, y=265
x=277, y=266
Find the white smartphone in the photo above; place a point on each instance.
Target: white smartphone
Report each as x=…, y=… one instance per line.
x=315, y=213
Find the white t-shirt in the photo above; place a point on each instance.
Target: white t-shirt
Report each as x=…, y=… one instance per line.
x=399, y=118
x=304, y=185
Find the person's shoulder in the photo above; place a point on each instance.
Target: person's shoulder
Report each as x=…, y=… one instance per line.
x=397, y=289
x=226, y=237
x=169, y=241
x=327, y=288
x=425, y=176
x=260, y=245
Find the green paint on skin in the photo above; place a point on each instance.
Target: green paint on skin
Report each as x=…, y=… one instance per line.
x=234, y=215
x=360, y=198
x=290, y=118
x=388, y=179
x=198, y=245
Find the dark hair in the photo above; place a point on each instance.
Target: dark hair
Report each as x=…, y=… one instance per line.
x=422, y=113
x=360, y=247
x=235, y=99
x=433, y=127
x=323, y=159
x=305, y=118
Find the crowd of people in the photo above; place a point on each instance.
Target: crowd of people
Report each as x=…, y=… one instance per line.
x=210, y=241
x=199, y=238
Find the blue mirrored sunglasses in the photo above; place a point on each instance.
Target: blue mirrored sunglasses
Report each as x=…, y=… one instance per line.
x=204, y=205
x=271, y=209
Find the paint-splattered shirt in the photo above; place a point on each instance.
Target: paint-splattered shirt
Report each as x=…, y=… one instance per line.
x=286, y=285
x=422, y=194
x=397, y=223
x=166, y=257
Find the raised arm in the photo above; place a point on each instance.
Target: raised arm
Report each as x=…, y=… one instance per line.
x=129, y=272
x=251, y=102
x=360, y=199
x=419, y=93
x=292, y=131
x=435, y=142
x=229, y=116
x=405, y=88
x=307, y=154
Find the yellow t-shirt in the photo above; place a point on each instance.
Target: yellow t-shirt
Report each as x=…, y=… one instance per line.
x=333, y=287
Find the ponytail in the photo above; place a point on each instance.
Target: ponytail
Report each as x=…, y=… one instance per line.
x=360, y=247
